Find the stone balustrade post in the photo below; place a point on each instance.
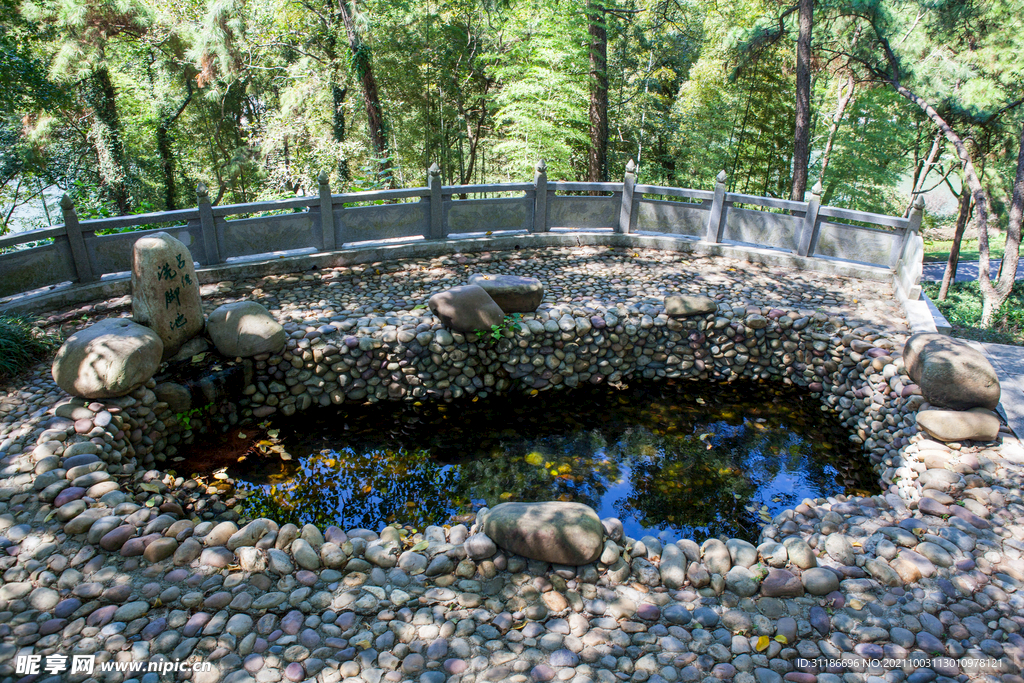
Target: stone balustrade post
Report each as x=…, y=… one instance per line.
x=76, y=240
x=326, y=213
x=540, y=205
x=437, y=228
x=809, y=229
x=715, y=223
x=211, y=245
x=913, y=228
x=627, y=211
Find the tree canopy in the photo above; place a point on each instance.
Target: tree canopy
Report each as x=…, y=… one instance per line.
x=128, y=105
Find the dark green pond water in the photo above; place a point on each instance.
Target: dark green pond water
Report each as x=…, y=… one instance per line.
x=671, y=459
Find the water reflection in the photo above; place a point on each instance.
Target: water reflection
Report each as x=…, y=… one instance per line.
x=662, y=458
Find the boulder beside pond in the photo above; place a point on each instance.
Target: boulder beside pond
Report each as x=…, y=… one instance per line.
x=951, y=373
x=976, y=424
x=111, y=358
x=245, y=329
x=512, y=293
x=466, y=308
x=555, y=532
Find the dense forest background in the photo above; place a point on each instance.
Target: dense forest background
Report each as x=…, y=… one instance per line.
x=128, y=105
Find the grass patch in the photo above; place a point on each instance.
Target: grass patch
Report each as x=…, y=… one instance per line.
x=938, y=250
x=21, y=344
x=962, y=309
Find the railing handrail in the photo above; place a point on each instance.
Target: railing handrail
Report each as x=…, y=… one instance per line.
x=317, y=223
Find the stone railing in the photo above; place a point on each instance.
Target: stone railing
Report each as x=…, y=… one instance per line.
x=811, y=235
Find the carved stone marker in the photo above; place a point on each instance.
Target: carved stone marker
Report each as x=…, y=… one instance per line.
x=165, y=290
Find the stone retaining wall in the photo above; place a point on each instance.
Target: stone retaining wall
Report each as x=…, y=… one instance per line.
x=857, y=373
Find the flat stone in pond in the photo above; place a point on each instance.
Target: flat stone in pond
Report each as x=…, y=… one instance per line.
x=466, y=309
x=512, y=293
x=555, y=532
x=684, y=305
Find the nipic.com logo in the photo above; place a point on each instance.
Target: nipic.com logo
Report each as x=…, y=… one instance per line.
x=27, y=665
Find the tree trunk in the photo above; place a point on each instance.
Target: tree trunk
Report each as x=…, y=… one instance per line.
x=597, y=166
x=1011, y=254
x=802, y=132
x=374, y=113
x=338, y=95
x=164, y=141
x=978, y=194
x=844, y=96
x=107, y=140
x=963, y=214
x=922, y=172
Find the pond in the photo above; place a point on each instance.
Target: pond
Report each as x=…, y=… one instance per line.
x=674, y=459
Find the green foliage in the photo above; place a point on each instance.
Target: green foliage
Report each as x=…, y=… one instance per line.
x=21, y=344
x=937, y=251
x=962, y=309
x=185, y=417
x=510, y=324
x=127, y=105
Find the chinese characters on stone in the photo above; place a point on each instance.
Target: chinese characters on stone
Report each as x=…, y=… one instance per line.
x=172, y=295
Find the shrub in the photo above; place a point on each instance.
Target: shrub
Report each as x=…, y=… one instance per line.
x=962, y=308
x=21, y=344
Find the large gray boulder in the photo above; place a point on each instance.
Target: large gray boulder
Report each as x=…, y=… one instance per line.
x=245, y=329
x=685, y=305
x=951, y=373
x=556, y=532
x=512, y=293
x=165, y=290
x=111, y=358
x=466, y=309
x=976, y=424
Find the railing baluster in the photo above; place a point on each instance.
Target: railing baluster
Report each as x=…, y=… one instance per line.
x=715, y=224
x=76, y=240
x=627, y=219
x=206, y=221
x=540, y=206
x=326, y=213
x=809, y=230
x=437, y=231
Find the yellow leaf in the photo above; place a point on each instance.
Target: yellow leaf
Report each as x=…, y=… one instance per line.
x=781, y=639
x=856, y=544
x=419, y=546
x=762, y=644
